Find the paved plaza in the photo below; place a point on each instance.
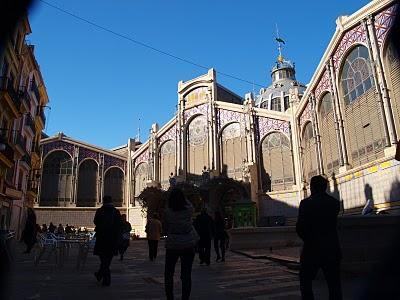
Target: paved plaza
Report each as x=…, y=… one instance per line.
x=240, y=277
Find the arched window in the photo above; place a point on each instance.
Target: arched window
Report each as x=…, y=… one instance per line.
x=329, y=142
x=56, y=186
x=232, y=151
x=309, y=152
x=114, y=185
x=277, y=163
x=167, y=162
x=392, y=65
x=141, y=173
x=286, y=102
x=197, y=148
x=362, y=113
x=276, y=104
x=87, y=183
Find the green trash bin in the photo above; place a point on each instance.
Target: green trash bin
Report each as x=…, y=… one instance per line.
x=244, y=215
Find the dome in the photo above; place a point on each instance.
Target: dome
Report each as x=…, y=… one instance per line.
x=276, y=96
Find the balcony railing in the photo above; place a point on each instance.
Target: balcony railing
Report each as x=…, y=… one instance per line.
x=35, y=90
x=8, y=152
x=29, y=122
x=42, y=116
x=19, y=140
x=6, y=85
x=36, y=148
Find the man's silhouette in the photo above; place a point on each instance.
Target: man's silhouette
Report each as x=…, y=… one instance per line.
x=317, y=227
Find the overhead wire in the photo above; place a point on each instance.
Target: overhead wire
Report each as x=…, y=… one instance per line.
x=145, y=45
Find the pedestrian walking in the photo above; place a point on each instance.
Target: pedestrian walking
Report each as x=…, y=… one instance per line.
x=126, y=236
x=108, y=228
x=220, y=236
x=316, y=226
x=30, y=231
x=153, y=231
x=204, y=225
x=180, y=243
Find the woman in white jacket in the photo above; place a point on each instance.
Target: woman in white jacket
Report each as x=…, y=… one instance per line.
x=180, y=242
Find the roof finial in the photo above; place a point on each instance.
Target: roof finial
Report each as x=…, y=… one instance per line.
x=280, y=42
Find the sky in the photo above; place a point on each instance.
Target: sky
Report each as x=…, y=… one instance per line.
x=102, y=88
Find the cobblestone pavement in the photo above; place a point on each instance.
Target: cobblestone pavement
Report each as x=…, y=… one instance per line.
x=239, y=277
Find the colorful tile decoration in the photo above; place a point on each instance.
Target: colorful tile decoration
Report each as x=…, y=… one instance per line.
x=201, y=109
x=144, y=157
x=87, y=153
x=383, y=22
x=225, y=116
x=169, y=135
x=110, y=161
x=323, y=85
x=306, y=114
x=266, y=125
x=356, y=35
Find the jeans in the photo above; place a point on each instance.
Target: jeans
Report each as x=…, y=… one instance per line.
x=104, y=271
x=171, y=257
x=205, y=250
x=331, y=270
x=153, y=245
x=219, y=244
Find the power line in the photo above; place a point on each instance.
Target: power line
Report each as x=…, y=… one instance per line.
x=123, y=36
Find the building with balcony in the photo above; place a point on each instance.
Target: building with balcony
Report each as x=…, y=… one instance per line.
x=23, y=98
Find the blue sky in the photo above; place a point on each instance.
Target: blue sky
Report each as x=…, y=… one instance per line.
x=100, y=85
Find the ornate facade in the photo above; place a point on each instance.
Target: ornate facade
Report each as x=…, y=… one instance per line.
x=343, y=124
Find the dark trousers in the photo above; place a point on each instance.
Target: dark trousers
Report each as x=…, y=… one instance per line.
x=171, y=257
x=219, y=244
x=331, y=271
x=204, y=250
x=104, y=271
x=153, y=246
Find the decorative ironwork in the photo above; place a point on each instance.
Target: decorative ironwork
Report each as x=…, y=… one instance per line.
x=383, y=22
x=168, y=147
x=198, y=131
x=58, y=145
x=323, y=85
x=356, y=35
x=111, y=161
x=87, y=153
x=231, y=131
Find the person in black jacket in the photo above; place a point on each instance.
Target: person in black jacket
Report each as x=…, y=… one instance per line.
x=204, y=226
x=108, y=229
x=317, y=227
x=220, y=236
x=29, y=232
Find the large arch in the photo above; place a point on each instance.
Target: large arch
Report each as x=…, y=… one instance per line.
x=167, y=162
x=329, y=141
x=232, y=151
x=309, y=155
x=277, y=171
x=363, y=116
x=87, y=193
x=114, y=185
x=197, y=148
x=56, y=185
x=141, y=174
x=392, y=68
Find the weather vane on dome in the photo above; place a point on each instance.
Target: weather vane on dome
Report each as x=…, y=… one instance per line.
x=280, y=42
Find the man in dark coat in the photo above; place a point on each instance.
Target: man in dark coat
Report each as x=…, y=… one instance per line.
x=108, y=229
x=30, y=231
x=317, y=227
x=204, y=226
